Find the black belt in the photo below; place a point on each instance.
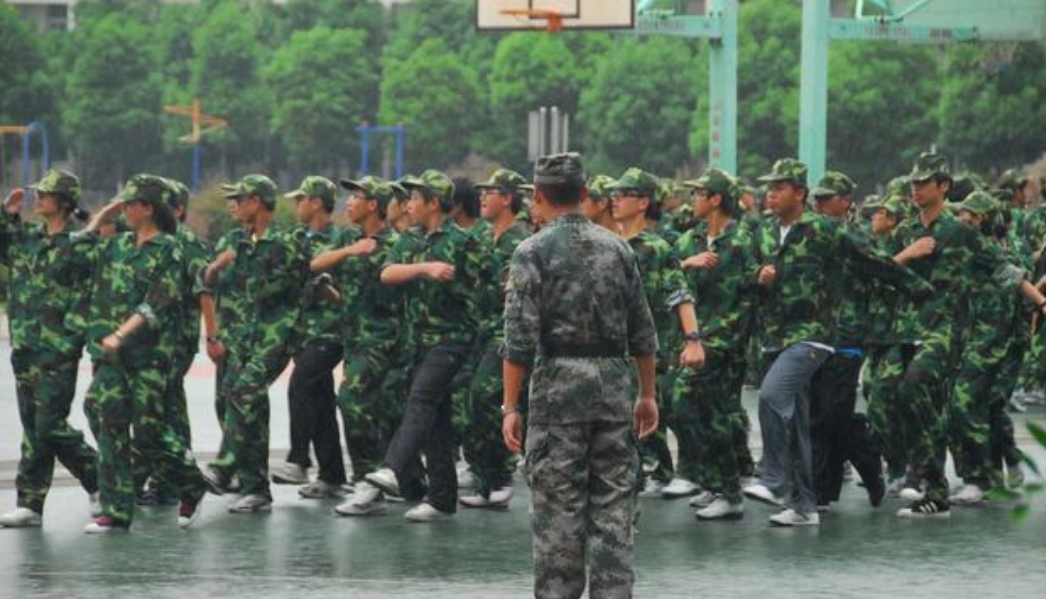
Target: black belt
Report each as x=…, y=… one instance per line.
x=584, y=351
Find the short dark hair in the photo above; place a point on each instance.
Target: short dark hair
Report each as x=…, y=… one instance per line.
x=562, y=194
x=465, y=196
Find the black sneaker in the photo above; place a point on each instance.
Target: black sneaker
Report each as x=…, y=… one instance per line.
x=926, y=508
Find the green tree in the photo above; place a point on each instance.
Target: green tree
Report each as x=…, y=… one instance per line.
x=436, y=98
x=112, y=115
x=24, y=95
x=324, y=83
x=638, y=107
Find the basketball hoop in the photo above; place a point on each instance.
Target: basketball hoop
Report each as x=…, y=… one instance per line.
x=554, y=17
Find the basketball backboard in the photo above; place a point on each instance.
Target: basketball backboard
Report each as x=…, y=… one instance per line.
x=511, y=15
x=994, y=20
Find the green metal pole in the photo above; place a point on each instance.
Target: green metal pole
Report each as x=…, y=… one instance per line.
x=813, y=92
x=722, y=87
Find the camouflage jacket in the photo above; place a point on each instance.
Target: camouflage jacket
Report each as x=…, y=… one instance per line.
x=665, y=288
x=372, y=313
x=962, y=258
x=441, y=312
x=47, y=294
x=725, y=296
x=493, y=276
x=197, y=256
x=882, y=304
x=320, y=319
x=576, y=285
x=856, y=295
x=228, y=290
x=815, y=261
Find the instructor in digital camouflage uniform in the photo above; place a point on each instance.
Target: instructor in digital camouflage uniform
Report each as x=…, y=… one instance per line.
x=574, y=312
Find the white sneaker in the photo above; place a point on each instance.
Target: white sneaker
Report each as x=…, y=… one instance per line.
x=652, y=488
x=105, y=526
x=1034, y=397
x=1016, y=405
x=21, y=517
x=721, y=509
x=760, y=492
x=94, y=503
x=967, y=495
x=289, y=473
x=703, y=499
x=424, y=512
x=497, y=500
x=466, y=478
x=679, y=487
x=250, y=504
x=366, y=501
x=790, y=517
x=384, y=479
x=894, y=487
x=320, y=489
x=910, y=493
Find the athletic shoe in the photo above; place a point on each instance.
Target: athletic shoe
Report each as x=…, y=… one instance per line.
x=21, y=517
x=189, y=510
x=321, y=489
x=679, y=487
x=760, y=492
x=790, y=517
x=824, y=508
x=498, y=499
x=652, y=488
x=289, y=473
x=466, y=478
x=893, y=489
x=968, y=494
x=216, y=485
x=912, y=490
x=1034, y=397
x=926, y=508
x=366, y=501
x=703, y=499
x=94, y=504
x=105, y=526
x=384, y=479
x=251, y=504
x=721, y=509
x=424, y=512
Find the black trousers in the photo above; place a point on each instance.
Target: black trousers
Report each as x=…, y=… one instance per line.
x=313, y=415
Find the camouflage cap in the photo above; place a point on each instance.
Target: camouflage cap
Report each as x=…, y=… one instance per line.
x=372, y=187
x=963, y=184
x=892, y=203
x=979, y=203
x=1012, y=179
x=315, y=186
x=898, y=186
x=786, y=170
x=503, y=179
x=179, y=197
x=639, y=180
x=599, y=186
x=717, y=182
x=60, y=182
x=833, y=183
x=147, y=188
x=435, y=181
x=560, y=169
x=258, y=185
x=399, y=192
x=927, y=165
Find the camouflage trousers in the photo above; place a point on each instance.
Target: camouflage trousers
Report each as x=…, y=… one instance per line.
x=125, y=397
x=923, y=395
x=711, y=425
x=370, y=410
x=654, y=449
x=883, y=371
x=244, y=449
x=977, y=395
x=1033, y=367
x=45, y=384
x=175, y=412
x=483, y=445
x=582, y=481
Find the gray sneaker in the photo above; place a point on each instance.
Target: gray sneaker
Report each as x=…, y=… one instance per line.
x=424, y=512
x=22, y=517
x=289, y=473
x=251, y=504
x=321, y=489
x=384, y=479
x=368, y=500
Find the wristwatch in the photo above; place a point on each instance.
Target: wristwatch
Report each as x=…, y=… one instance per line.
x=506, y=410
x=694, y=335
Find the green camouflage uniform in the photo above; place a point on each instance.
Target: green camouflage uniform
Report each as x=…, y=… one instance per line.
x=47, y=301
x=231, y=309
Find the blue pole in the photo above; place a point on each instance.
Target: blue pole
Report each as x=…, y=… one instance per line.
x=400, y=132
x=364, y=149
x=196, y=166
x=45, y=156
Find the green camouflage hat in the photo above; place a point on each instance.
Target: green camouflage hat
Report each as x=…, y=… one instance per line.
x=1012, y=179
x=398, y=190
x=258, y=185
x=717, y=182
x=560, y=169
x=315, y=186
x=898, y=186
x=147, y=188
x=60, y=182
x=873, y=201
x=639, y=180
x=963, y=184
x=372, y=187
x=979, y=203
x=504, y=179
x=833, y=183
x=788, y=170
x=179, y=197
x=927, y=165
x=435, y=181
x=599, y=186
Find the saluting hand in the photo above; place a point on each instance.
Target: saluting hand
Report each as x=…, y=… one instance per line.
x=13, y=201
x=705, y=260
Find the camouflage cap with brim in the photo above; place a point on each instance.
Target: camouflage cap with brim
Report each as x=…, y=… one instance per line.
x=892, y=203
x=255, y=185
x=399, y=192
x=372, y=187
x=435, y=181
x=179, y=197
x=315, y=186
x=60, y=182
x=979, y=203
x=717, y=182
x=504, y=179
x=1012, y=179
x=786, y=170
x=639, y=180
x=833, y=183
x=599, y=186
x=929, y=165
x=147, y=188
